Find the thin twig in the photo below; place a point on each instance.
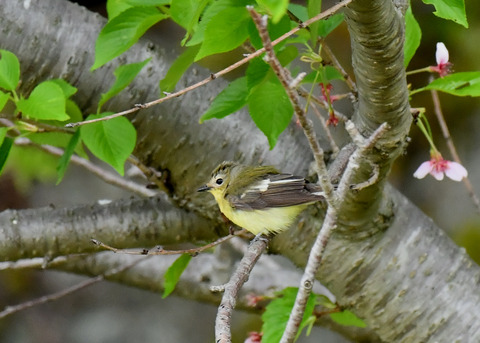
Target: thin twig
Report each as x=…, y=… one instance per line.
x=323, y=104
x=285, y=79
x=308, y=277
x=329, y=224
x=70, y=290
x=331, y=57
x=160, y=251
x=223, y=332
x=451, y=146
x=358, y=157
x=154, y=176
x=106, y=176
x=325, y=14
x=326, y=129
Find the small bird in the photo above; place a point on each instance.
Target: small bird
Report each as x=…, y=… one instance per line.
x=260, y=199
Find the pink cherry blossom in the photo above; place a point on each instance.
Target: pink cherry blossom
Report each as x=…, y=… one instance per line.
x=443, y=66
x=437, y=167
x=254, y=337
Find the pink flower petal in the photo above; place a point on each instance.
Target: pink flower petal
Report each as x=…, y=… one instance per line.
x=424, y=169
x=455, y=171
x=441, y=54
x=437, y=174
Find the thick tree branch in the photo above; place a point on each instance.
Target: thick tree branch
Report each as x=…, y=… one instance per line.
x=52, y=232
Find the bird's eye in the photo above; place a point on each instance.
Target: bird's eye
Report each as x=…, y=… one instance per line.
x=219, y=181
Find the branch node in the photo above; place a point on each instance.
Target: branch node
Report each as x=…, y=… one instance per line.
x=217, y=289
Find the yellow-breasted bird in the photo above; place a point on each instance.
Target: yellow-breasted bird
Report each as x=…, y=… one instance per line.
x=260, y=199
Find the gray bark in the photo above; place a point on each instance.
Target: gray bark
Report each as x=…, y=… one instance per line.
x=387, y=261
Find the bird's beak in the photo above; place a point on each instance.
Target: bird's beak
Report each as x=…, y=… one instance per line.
x=204, y=188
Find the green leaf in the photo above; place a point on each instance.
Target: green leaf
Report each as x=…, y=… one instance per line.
x=9, y=70
x=5, y=147
x=298, y=11
x=278, y=311
x=326, y=26
x=225, y=31
x=186, y=13
x=460, y=84
x=3, y=134
x=287, y=54
x=174, y=272
x=124, y=74
x=212, y=10
x=257, y=72
x=347, y=318
x=46, y=102
x=231, y=99
x=314, y=7
x=68, y=89
x=275, y=30
x=450, y=9
x=270, y=109
x=73, y=111
x=413, y=35
x=3, y=99
x=111, y=141
x=181, y=64
x=115, y=7
x=64, y=160
x=276, y=8
x=325, y=301
x=123, y=31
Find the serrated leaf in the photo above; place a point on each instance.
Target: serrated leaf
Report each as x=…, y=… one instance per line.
x=46, y=102
x=270, y=109
x=123, y=31
x=347, y=318
x=276, y=8
x=64, y=160
x=278, y=311
x=212, y=10
x=111, y=141
x=230, y=100
x=181, y=64
x=186, y=13
x=3, y=99
x=450, y=9
x=460, y=84
x=257, y=72
x=124, y=74
x=115, y=7
x=413, y=35
x=174, y=272
x=9, y=70
x=5, y=147
x=225, y=31
x=326, y=26
x=68, y=89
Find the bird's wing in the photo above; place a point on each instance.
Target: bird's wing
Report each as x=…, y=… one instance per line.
x=275, y=190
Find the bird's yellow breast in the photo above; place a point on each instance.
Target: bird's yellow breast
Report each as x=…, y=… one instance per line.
x=271, y=220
